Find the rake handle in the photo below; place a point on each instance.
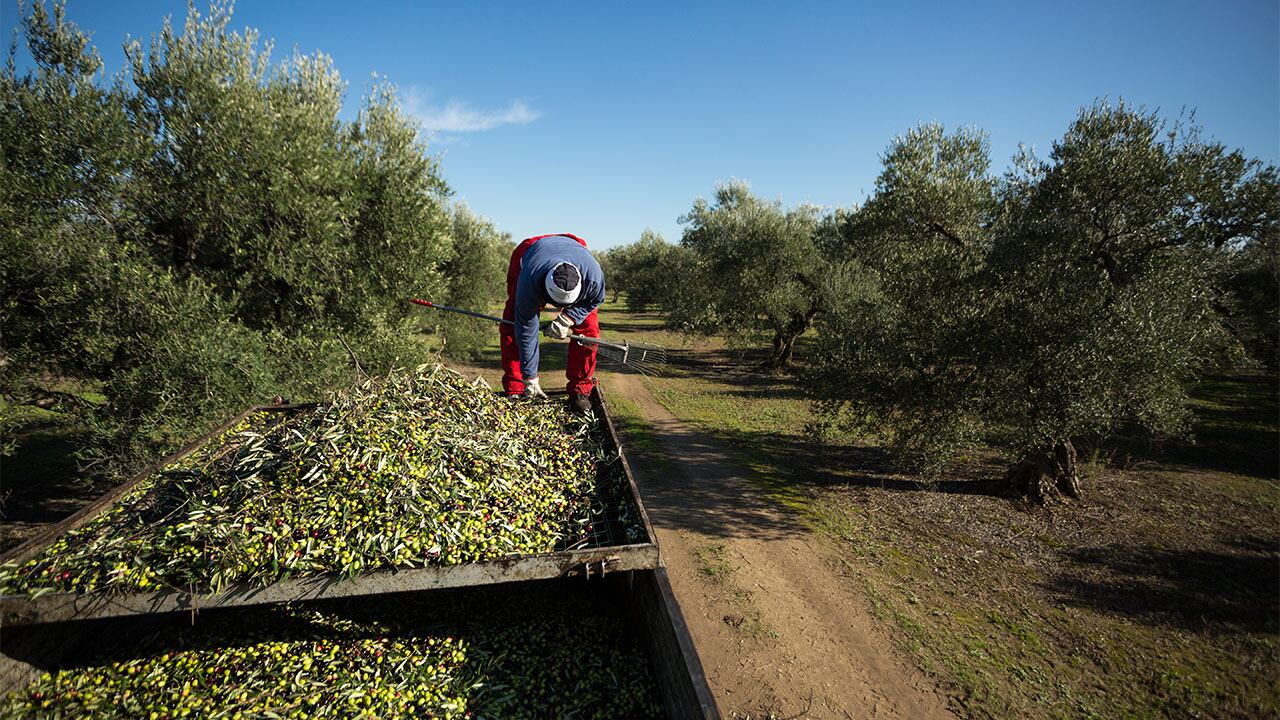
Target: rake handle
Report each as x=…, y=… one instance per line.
x=460, y=311
x=495, y=318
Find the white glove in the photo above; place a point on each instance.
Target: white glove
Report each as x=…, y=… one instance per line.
x=533, y=390
x=559, y=328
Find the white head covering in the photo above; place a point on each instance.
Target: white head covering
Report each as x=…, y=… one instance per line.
x=564, y=284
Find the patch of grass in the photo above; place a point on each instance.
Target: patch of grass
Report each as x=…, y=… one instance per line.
x=43, y=443
x=712, y=563
x=40, y=480
x=638, y=438
x=1234, y=429
x=767, y=405
x=1152, y=597
x=1236, y=420
x=18, y=416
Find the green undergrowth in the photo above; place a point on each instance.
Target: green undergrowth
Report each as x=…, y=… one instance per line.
x=639, y=441
x=26, y=429
x=712, y=563
x=1153, y=597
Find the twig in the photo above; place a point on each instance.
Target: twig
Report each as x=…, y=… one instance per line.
x=359, y=370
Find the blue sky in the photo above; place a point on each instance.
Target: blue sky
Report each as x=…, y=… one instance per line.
x=605, y=118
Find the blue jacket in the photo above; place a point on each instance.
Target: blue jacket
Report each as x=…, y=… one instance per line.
x=531, y=294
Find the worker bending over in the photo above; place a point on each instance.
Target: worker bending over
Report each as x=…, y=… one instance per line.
x=556, y=271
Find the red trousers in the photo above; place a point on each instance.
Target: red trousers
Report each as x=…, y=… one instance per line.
x=581, y=365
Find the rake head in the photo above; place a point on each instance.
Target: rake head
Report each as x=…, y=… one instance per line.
x=644, y=358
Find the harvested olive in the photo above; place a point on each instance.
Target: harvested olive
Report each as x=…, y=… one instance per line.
x=407, y=470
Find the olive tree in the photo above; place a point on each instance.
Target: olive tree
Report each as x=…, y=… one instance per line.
x=1103, y=279
x=70, y=149
x=1075, y=296
x=608, y=260
x=476, y=272
x=642, y=270
x=203, y=231
x=752, y=268
x=258, y=188
x=897, y=354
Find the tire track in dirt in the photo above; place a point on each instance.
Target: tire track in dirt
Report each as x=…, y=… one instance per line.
x=779, y=631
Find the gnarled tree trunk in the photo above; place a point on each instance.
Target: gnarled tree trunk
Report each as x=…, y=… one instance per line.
x=784, y=340
x=1047, y=473
x=780, y=356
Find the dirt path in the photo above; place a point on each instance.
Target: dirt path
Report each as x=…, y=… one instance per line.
x=778, y=630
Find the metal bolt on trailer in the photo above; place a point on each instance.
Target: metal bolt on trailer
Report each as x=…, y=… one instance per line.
x=633, y=571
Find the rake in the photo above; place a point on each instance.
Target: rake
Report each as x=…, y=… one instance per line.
x=644, y=358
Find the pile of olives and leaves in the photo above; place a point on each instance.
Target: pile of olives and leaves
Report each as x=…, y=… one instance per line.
x=407, y=470
x=298, y=662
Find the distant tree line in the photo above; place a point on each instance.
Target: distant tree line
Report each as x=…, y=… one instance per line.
x=1065, y=299
x=203, y=231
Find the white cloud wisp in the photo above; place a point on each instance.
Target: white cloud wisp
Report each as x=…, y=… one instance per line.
x=460, y=117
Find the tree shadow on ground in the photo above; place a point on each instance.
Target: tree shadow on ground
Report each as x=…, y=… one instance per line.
x=816, y=464
x=41, y=482
x=792, y=462
x=609, y=326
x=758, y=387
x=1230, y=589
x=1233, y=430
x=705, y=490
x=740, y=362
x=1238, y=437
x=721, y=483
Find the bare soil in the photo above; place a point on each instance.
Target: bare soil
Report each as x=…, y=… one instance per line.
x=1155, y=595
x=779, y=632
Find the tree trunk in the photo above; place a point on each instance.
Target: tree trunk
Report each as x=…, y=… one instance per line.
x=776, y=359
x=1047, y=474
x=784, y=345
x=784, y=340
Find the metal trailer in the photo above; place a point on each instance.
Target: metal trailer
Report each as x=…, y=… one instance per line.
x=37, y=634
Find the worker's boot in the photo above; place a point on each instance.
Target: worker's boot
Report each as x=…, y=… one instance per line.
x=579, y=403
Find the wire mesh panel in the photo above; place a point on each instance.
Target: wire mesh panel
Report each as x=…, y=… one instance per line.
x=614, y=518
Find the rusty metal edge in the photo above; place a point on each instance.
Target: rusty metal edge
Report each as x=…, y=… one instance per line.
x=61, y=607
x=708, y=708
